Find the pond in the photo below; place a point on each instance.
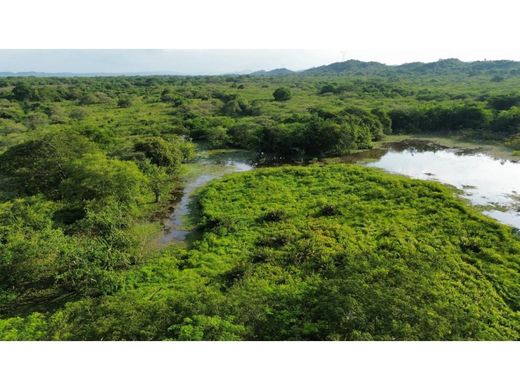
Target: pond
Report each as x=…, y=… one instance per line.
x=490, y=183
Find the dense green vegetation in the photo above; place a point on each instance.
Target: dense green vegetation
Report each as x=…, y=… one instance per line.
x=446, y=67
x=323, y=253
x=242, y=111
x=88, y=164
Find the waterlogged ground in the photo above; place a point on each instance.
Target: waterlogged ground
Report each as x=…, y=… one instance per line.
x=489, y=182
x=206, y=167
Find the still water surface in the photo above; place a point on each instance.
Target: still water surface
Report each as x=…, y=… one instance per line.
x=205, y=168
x=488, y=182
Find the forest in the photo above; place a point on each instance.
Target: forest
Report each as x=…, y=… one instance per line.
x=299, y=249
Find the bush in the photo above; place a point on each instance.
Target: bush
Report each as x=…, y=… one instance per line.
x=78, y=114
x=124, y=102
x=39, y=166
x=327, y=88
x=160, y=152
x=32, y=327
x=274, y=216
x=329, y=210
x=282, y=94
x=96, y=177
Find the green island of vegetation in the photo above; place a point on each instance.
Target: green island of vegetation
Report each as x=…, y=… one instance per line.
x=90, y=165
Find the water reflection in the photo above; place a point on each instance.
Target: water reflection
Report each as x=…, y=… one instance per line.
x=484, y=180
x=209, y=168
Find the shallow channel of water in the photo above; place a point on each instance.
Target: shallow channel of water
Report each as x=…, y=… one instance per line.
x=204, y=169
x=490, y=183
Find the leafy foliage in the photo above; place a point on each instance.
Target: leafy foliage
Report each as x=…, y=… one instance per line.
x=282, y=94
x=88, y=165
x=355, y=254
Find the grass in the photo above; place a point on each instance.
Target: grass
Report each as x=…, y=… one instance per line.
x=334, y=252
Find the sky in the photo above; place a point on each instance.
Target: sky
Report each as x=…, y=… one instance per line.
x=182, y=62
x=162, y=61
x=387, y=31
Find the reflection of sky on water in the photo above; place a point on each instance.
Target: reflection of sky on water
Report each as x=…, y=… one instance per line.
x=485, y=180
x=216, y=166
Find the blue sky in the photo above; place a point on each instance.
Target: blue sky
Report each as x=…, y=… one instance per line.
x=162, y=61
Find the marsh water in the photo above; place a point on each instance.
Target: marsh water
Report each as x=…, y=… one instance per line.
x=205, y=168
x=490, y=183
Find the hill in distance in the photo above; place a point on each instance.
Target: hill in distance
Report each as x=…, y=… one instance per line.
x=498, y=68
x=441, y=67
x=274, y=72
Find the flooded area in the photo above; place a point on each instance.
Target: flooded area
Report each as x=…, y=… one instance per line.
x=206, y=167
x=491, y=183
